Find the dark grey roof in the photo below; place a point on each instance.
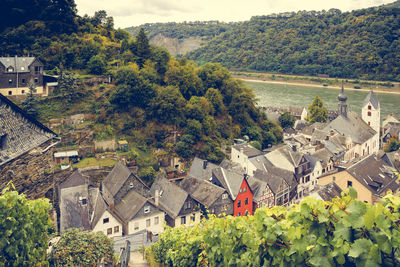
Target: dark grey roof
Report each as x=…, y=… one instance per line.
x=230, y=180
x=17, y=63
x=371, y=98
x=129, y=206
x=203, y=192
x=392, y=159
x=172, y=197
x=324, y=155
x=248, y=150
x=309, y=129
x=23, y=132
x=99, y=207
x=352, y=126
x=374, y=174
x=300, y=124
x=116, y=178
x=327, y=192
x=285, y=157
x=201, y=169
x=75, y=179
x=273, y=181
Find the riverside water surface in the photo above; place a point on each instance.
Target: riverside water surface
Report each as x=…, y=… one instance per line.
x=283, y=95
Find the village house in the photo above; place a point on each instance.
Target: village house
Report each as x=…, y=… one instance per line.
x=370, y=176
x=212, y=198
x=66, y=157
x=17, y=72
x=326, y=192
x=238, y=188
x=180, y=207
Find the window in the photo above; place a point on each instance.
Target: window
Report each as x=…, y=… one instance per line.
x=147, y=209
x=307, y=179
x=36, y=80
x=22, y=68
x=84, y=201
x=136, y=227
x=245, y=189
x=239, y=204
x=369, y=123
x=193, y=217
x=246, y=201
x=106, y=220
x=10, y=81
x=224, y=196
x=246, y=213
x=241, y=190
x=10, y=69
x=156, y=220
x=23, y=91
x=188, y=205
x=369, y=113
x=239, y=214
x=148, y=223
x=131, y=185
x=349, y=183
x=3, y=142
x=183, y=220
x=369, y=107
x=109, y=231
x=333, y=178
x=116, y=229
x=23, y=80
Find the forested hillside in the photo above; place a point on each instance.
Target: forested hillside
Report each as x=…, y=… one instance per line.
x=359, y=44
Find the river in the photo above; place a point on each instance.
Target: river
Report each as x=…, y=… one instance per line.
x=285, y=95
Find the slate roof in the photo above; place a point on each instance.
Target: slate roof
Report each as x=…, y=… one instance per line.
x=285, y=158
x=272, y=180
x=392, y=128
x=23, y=132
x=309, y=129
x=129, y=206
x=374, y=174
x=116, y=178
x=229, y=179
x=75, y=179
x=248, y=150
x=371, y=98
x=324, y=155
x=352, y=126
x=99, y=207
x=172, y=197
x=17, y=63
x=201, y=169
x=203, y=192
x=327, y=192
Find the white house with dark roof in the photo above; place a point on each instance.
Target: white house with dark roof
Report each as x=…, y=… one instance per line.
x=242, y=153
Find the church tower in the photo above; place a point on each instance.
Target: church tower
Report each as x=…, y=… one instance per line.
x=342, y=106
x=371, y=111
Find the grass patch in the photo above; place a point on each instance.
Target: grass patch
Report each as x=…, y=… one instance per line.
x=89, y=162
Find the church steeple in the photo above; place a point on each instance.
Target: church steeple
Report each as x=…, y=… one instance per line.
x=342, y=106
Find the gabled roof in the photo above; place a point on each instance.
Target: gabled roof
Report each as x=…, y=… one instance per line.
x=248, y=150
x=99, y=208
x=22, y=132
x=129, y=206
x=371, y=98
x=171, y=197
x=273, y=181
x=17, y=63
x=327, y=192
x=374, y=174
x=352, y=126
x=75, y=179
x=203, y=192
x=230, y=180
x=201, y=169
x=324, y=155
x=285, y=157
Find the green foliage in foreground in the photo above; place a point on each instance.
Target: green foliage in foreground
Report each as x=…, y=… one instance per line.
x=314, y=233
x=82, y=248
x=24, y=227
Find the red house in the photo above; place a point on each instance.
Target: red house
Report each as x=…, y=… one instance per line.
x=243, y=204
x=238, y=187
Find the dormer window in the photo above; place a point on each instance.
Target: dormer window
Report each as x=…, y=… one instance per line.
x=147, y=209
x=10, y=69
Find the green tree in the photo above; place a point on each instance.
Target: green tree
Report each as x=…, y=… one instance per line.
x=82, y=248
x=25, y=226
x=214, y=96
x=147, y=174
x=169, y=105
x=392, y=145
x=286, y=120
x=142, y=47
x=96, y=65
x=67, y=87
x=184, y=150
x=29, y=105
x=317, y=111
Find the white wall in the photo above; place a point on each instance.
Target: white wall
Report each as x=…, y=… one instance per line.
x=102, y=227
x=189, y=222
x=141, y=223
x=240, y=158
x=375, y=119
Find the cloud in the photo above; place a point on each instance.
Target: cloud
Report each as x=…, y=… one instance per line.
x=135, y=12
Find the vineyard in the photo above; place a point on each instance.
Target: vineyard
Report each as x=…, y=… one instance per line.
x=314, y=233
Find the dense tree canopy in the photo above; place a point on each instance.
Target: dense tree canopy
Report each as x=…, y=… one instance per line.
x=25, y=226
x=317, y=112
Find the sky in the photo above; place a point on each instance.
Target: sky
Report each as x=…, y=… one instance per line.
x=136, y=12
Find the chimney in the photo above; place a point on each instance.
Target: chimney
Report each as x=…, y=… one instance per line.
x=112, y=207
x=156, y=197
x=205, y=162
x=194, y=181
